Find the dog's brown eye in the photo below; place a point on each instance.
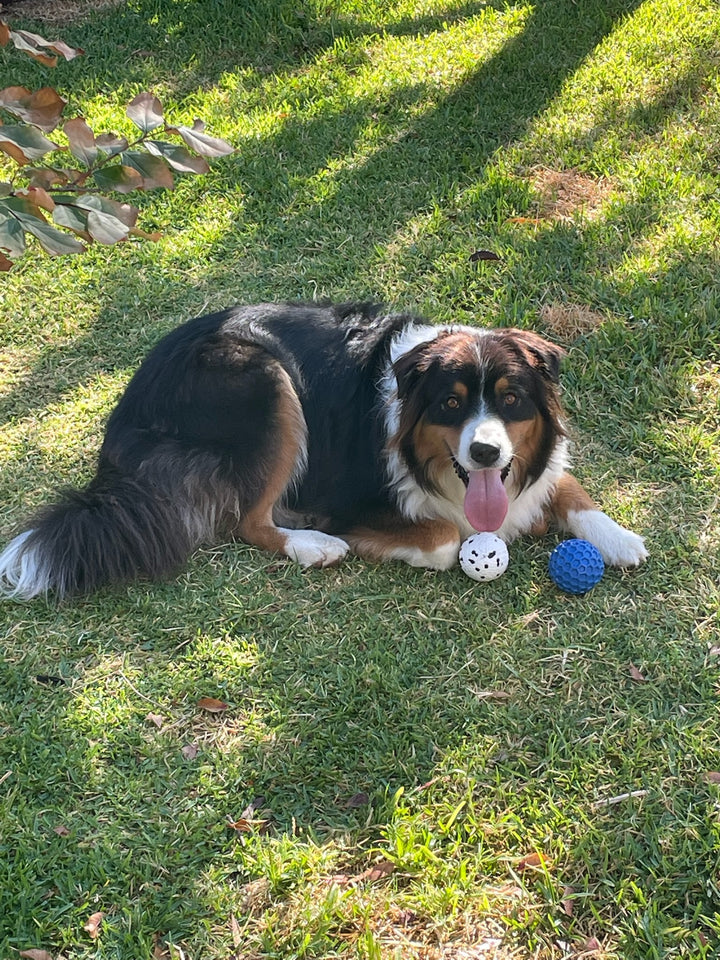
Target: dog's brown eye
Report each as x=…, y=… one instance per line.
x=452, y=402
x=509, y=399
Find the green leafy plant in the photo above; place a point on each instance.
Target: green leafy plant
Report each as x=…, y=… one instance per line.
x=59, y=190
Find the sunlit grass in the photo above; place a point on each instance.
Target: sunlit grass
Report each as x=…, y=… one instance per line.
x=535, y=774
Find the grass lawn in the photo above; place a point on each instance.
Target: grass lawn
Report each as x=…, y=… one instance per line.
x=410, y=764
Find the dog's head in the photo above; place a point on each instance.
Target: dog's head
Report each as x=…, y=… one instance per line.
x=485, y=405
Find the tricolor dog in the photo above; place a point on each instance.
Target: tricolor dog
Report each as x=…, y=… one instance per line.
x=312, y=431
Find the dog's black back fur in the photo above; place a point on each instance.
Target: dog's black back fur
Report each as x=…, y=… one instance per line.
x=186, y=449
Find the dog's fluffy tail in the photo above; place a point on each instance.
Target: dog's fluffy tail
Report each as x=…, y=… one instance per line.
x=113, y=531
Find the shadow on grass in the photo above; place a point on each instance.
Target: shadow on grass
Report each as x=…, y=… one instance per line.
x=416, y=168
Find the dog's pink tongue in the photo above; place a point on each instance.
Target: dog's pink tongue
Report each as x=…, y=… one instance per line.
x=486, y=501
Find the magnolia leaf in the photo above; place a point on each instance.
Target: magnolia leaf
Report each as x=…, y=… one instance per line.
x=33, y=44
x=145, y=111
x=40, y=197
x=50, y=177
x=43, y=107
x=377, y=871
x=203, y=143
x=212, y=705
x=12, y=236
x=177, y=156
x=82, y=141
x=4, y=33
x=118, y=177
x=105, y=228
x=533, y=861
x=5, y=264
x=51, y=240
x=144, y=235
x=69, y=216
x=24, y=143
x=123, y=212
x=155, y=172
x=111, y=143
x=93, y=924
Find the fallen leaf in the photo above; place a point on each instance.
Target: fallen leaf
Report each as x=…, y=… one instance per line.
x=636, y=674
x=377, y=871
x=93, y=924
x=714, y=652
x=357, y=800
x=250, y=809
x=533, y=861
x=591, y=947
x=713, y=776
x=235, y=930
x=483, y=255
x=160, y=949
x=567, y=904
x=156, y=719
x=61, y=831
x=245, y=825
x=212, y=705
x=491, y=694
x=190, y=751
x=35, y=954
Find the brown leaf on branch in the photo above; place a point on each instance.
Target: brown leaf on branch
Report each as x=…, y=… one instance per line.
x=42, y=107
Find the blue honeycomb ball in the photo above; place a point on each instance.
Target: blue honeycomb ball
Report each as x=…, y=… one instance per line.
x=576, y=566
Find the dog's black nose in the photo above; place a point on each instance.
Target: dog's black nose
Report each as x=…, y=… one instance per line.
x=484, y=454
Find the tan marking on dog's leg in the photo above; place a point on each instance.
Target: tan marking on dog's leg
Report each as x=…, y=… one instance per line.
x=257, y=526
x=310, y=548
x=424, y=543
x=577, y=512
x=569, y=496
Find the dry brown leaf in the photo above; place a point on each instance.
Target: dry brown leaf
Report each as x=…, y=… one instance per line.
x=567, y=904
x=533, y=861
x=190, y=751
x=93, y=924
x=636, y=674
x=61, y=830
x=160, y=949
x=378, y=871
x=212, y=705
x=357, y=800
x=244, y=825
x=156, y=719
x=713, y=776
x=235, y=931
x=591, y=948
x=35, y=954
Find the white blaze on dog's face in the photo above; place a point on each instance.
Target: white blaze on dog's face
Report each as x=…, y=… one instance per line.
x=483, y=404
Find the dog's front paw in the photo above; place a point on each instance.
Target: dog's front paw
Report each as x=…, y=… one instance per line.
x=311, y=548
x=619, y=547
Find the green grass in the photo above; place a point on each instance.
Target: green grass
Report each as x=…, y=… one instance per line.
x=379, y=145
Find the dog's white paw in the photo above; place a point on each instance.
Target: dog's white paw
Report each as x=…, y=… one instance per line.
x=311, y=548
x=619, y=547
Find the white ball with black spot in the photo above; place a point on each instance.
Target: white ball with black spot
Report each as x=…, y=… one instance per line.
x=483, y=556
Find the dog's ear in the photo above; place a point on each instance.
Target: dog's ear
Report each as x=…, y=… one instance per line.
x=544, y=356
x=410, y=366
